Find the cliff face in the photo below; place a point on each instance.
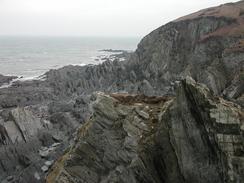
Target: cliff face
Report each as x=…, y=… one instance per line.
x=207, y=45
x=194, y=137
x=197, y=47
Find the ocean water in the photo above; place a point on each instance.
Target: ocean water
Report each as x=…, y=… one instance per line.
x=30, y=57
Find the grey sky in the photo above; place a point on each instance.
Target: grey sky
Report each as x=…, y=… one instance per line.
x=93, y=17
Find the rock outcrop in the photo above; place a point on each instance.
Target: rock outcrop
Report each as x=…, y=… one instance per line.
x=32, y=137
x=207, y=45
x=193, y=137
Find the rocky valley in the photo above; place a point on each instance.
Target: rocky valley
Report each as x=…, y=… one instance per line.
x=172, y=111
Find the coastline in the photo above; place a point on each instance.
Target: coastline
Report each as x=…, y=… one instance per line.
x=22, y=79
x=106, y=55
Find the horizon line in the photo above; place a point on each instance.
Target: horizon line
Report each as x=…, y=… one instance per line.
x=81, y=36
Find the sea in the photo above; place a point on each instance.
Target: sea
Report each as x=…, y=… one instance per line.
x=30, y=57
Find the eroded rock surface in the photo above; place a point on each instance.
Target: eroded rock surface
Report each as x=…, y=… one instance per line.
x=208, y=46
x=194, y=137
x=33, y=136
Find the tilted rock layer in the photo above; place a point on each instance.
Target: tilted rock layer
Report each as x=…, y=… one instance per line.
x=208, y=45
x=194, y=137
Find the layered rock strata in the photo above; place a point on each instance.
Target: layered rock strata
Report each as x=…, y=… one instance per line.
x=193, y=137
x=208, y=46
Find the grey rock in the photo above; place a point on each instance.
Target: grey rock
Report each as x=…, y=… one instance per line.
x=40, y=113
x=10, y=178
x=141, y=113
x=37, y=176
x=6, y=79
x=191, y=138
x=44, y=152
x=48, y=163
x=56, y=144
x=44, y=168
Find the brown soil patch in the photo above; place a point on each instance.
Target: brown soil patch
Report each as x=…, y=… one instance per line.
x=235, y=29
x=230, y=10
x=132, y=99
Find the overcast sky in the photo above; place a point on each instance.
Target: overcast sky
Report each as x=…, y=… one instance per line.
x=93, y=17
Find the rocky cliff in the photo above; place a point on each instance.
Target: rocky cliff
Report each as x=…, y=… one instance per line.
x=207, y=45
x=193, y=137
x=38, y=119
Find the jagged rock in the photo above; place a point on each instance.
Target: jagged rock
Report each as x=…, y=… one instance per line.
x=27, y=124
x=207, y=46
x=48, y=163
x=10, y=178
x=24, y=131
x=195, y=122
x=37, y=176
x=44, y=152
x=44, y=168
x=116, y=137
x=142, y=114
x=195, y=137
x=56, y=144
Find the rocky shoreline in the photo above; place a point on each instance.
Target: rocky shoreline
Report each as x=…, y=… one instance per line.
x=5, y=80
x=150, y=112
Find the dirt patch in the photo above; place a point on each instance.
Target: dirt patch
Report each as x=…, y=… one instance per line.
x=230, y=10
x=56, y=169
x=132, y=99
x=234, y=29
